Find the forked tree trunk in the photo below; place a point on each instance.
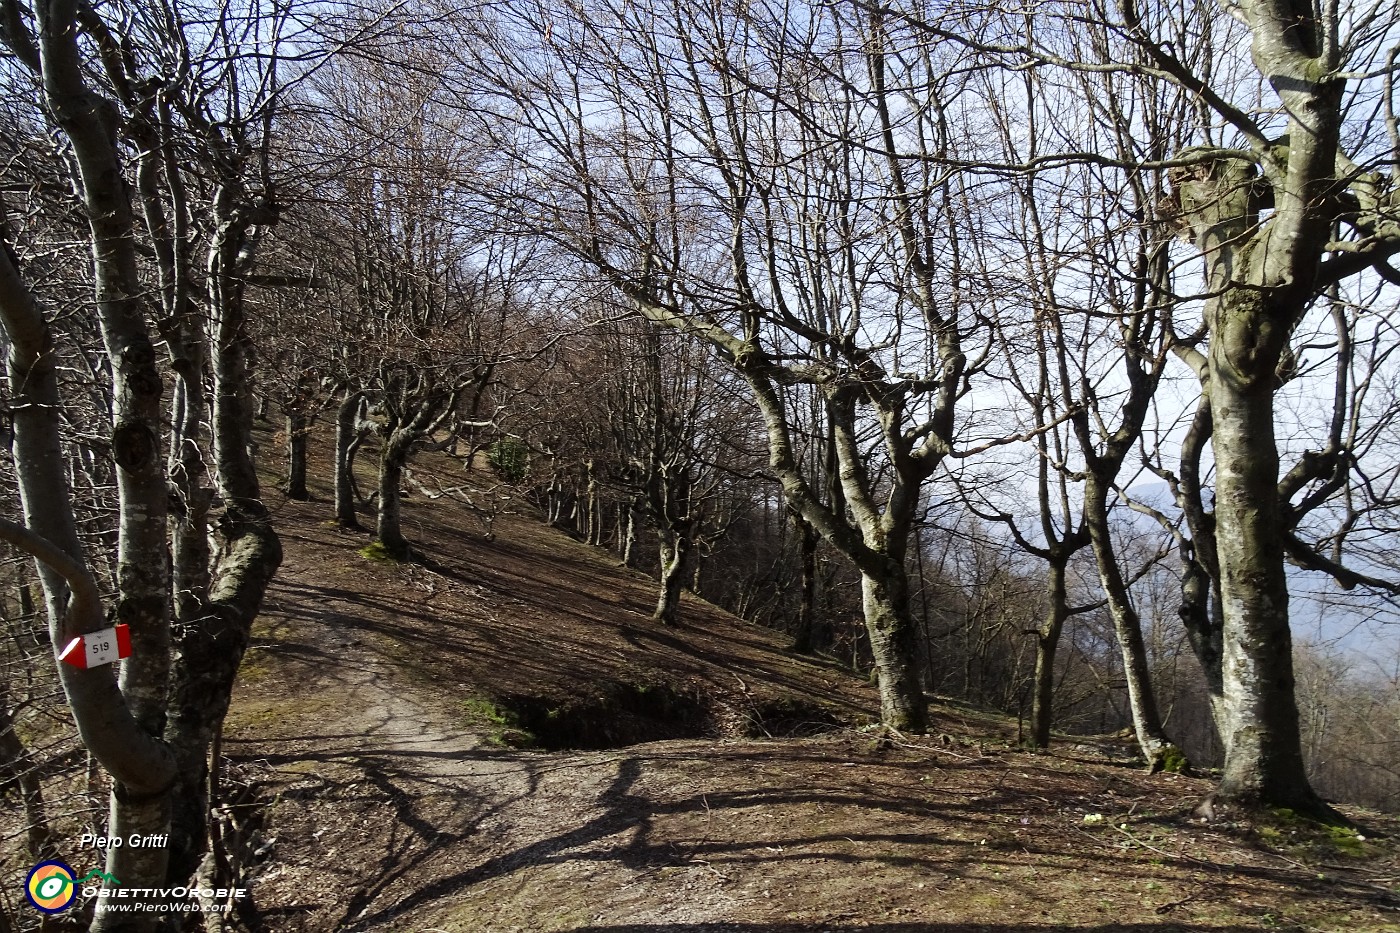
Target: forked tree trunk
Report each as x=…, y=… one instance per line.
x=119, y=735
x=1261, y=284
x=876, y=545
x=143, y=575
x=347, y=433
x=247, y=555
x=673, y=549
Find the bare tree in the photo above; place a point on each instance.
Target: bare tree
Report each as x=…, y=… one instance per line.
x=745, y=179
x=667, y=435
x=424, y=306
x=1330, y=216
x=153, y=729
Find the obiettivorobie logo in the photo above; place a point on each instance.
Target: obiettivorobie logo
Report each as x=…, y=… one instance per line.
x=52, y=888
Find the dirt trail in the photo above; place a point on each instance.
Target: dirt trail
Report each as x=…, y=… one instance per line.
x=372, y=774
x=387, y=800
x=390, y=811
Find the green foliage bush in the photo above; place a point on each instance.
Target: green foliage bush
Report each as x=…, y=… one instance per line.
x=510, y=458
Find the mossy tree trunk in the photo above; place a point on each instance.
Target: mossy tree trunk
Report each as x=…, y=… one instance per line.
x=895, y=646
x=1264, y=758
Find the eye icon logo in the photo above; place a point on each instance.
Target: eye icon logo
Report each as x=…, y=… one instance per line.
x=50, y=887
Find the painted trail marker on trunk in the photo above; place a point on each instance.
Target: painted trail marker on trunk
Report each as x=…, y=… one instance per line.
x=97, y=648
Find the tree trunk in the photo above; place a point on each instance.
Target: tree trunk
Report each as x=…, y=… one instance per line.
x=16, y=759
x=554, y=496
x=189, y=539
x=594, y=518
x=1200, y=609
x=894, y=644
x=1152, y=738
x=1260, y=284
x=877, y=548
x=347, y=432
x=1046, y=646
x=116, y=733
x=247, y=555
x=389, y=521
x=629, y=540
x=298, y=432
x=143, y=581
x=673, y=546
x=804, y=641
x=1263, y=749
x=211, y=653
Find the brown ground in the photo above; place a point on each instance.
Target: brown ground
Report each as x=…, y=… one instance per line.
x=376, y=697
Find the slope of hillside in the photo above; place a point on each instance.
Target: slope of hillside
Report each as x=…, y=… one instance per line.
x=699, y=778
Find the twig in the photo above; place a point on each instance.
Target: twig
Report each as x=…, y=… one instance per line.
x=1176, y=855
x=1172, y=905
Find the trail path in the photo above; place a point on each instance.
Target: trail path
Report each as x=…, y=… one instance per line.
x=389, y=811
x=377, y=778
x=388, y=802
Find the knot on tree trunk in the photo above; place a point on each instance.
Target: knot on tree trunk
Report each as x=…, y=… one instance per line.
x=1214, y=200
x=133, y=445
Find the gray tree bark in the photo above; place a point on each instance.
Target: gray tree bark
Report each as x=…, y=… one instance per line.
x=348, y=434
x=389, y=519
x=1151, y=734
x=248, y=551
x=111, y=729
x=121, y=723
x=143, y=570
x=298, y=432
x=1047, y=644
x=1261, y=284
x=673, y=549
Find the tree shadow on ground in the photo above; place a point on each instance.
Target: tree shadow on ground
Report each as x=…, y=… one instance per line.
x=909, y=829
x=910, y=928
